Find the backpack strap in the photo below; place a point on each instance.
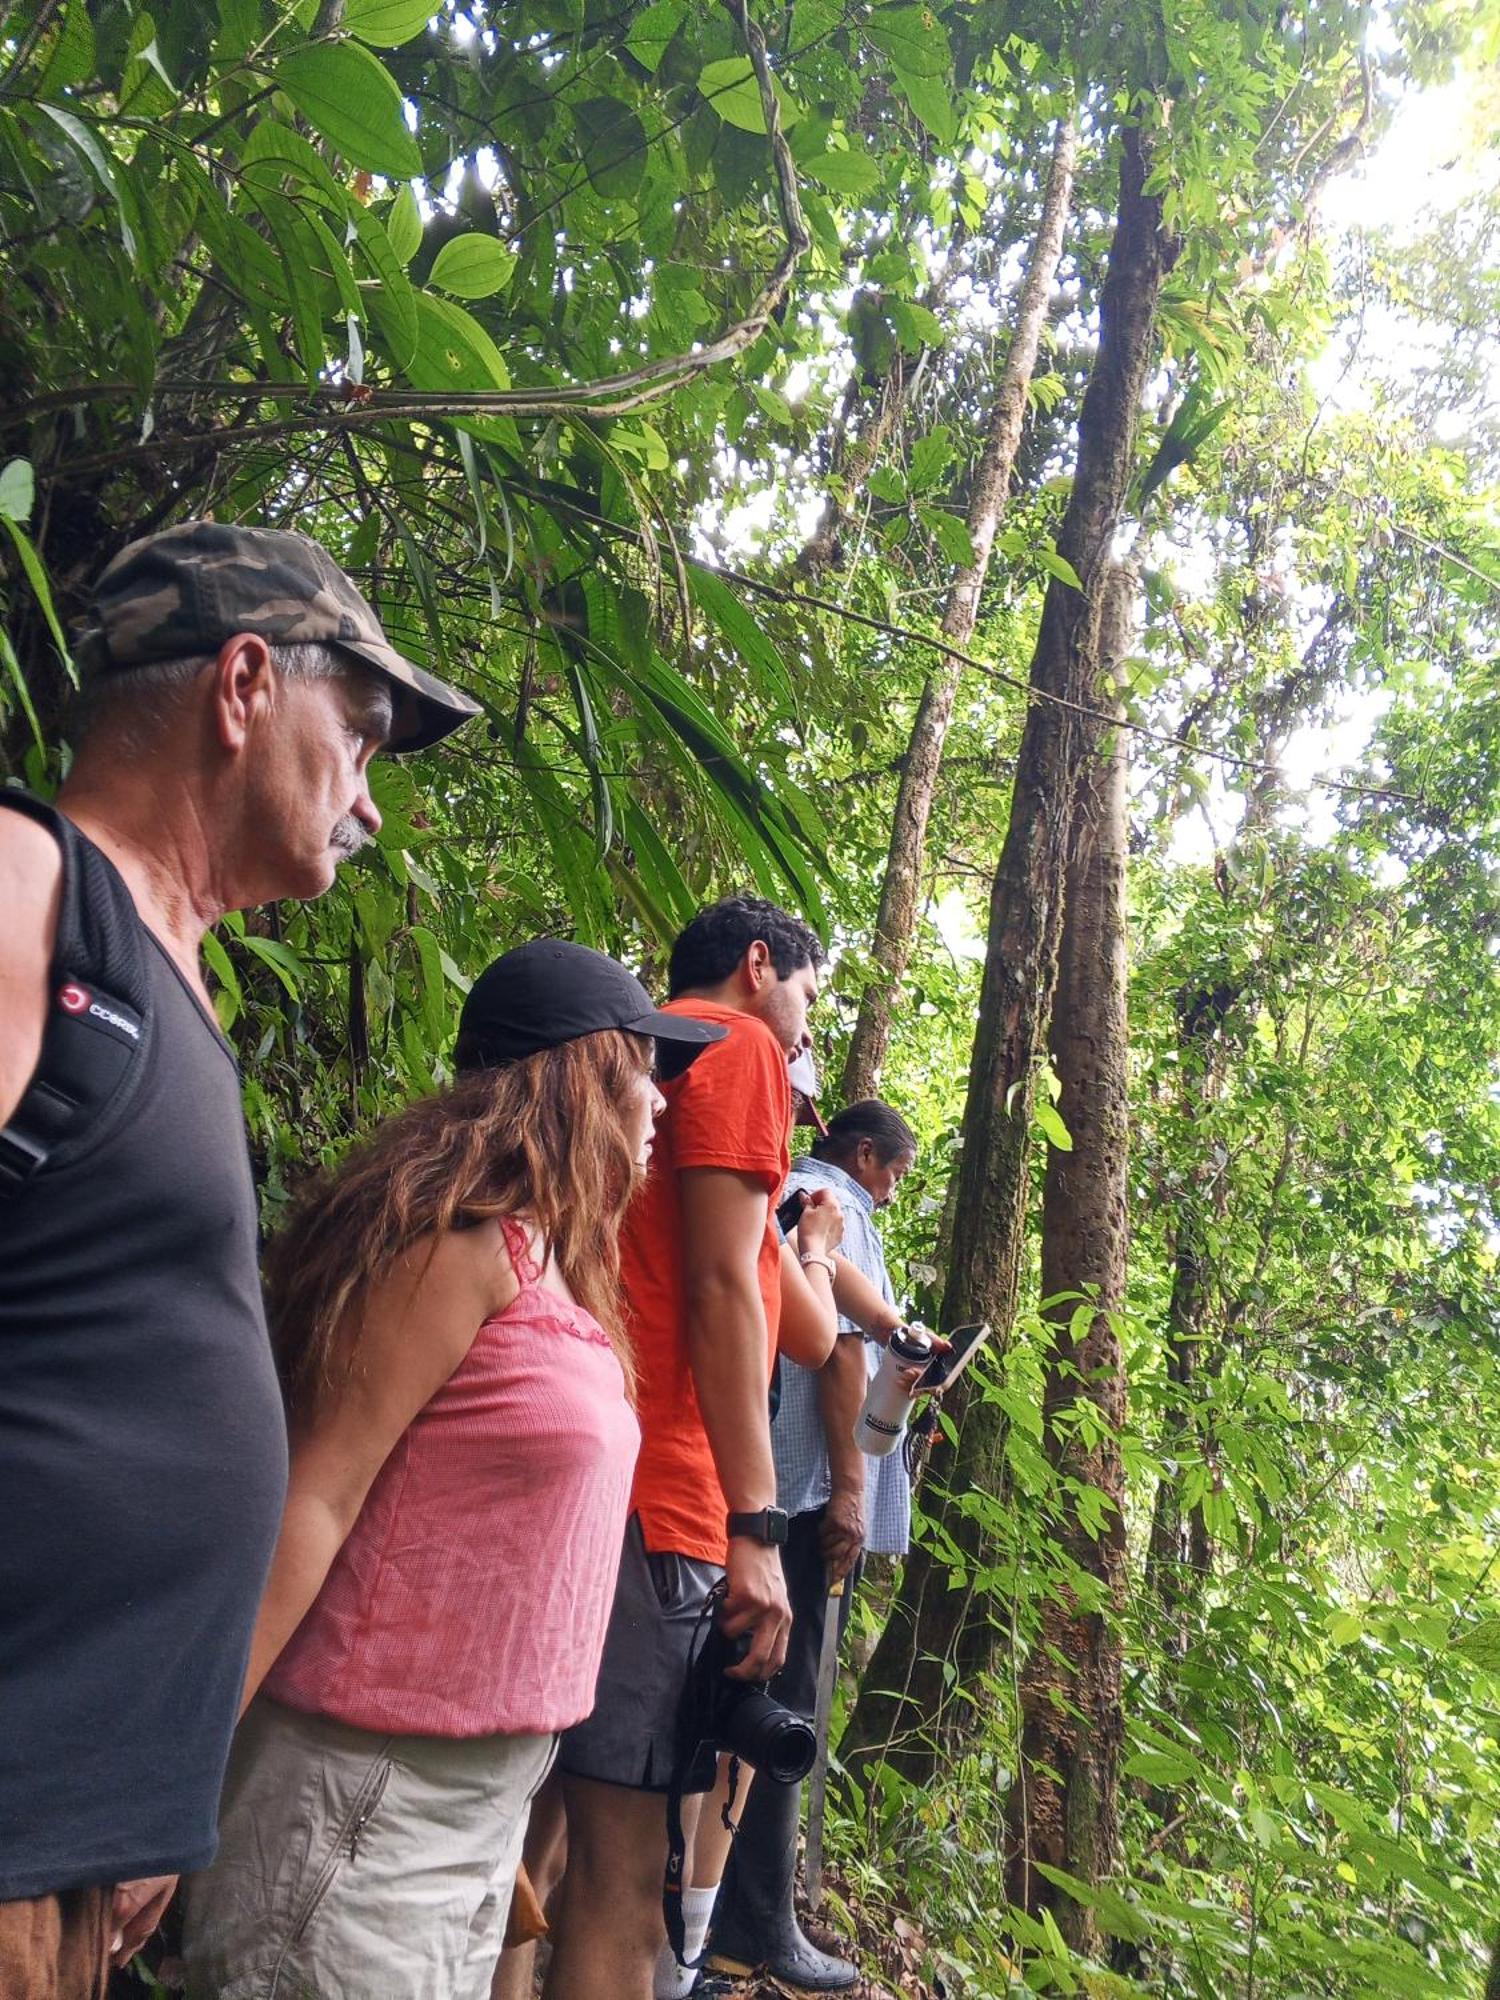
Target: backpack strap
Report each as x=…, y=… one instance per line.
x=97, y=1023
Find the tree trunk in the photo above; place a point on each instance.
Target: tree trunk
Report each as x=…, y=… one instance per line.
x=1179, y=1554
x=1064, y=1807
x=905, y=858
x=863, y=438
x=907, y=1709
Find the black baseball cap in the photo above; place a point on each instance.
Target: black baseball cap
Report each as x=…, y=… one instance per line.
x=549, y=992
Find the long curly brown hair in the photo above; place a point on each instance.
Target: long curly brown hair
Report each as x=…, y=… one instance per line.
x=549, y=1139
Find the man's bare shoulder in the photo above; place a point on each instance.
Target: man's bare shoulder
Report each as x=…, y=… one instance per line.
x=30, y=886
x=30, y=893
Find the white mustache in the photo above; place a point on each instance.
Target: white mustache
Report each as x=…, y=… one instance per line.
x=349, y=834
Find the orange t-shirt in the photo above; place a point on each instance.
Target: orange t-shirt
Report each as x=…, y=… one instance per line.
x=732, y=1109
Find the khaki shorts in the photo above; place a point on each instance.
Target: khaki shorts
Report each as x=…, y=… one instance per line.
x=354, y=1866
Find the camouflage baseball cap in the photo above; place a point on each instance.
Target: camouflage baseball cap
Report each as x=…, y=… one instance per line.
x=190, y=588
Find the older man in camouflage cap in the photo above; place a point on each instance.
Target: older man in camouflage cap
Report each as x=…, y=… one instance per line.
x=236, y=688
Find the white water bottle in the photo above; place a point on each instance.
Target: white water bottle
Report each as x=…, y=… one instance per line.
x=882, y=1421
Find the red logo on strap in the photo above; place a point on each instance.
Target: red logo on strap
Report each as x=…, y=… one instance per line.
x=75, y=999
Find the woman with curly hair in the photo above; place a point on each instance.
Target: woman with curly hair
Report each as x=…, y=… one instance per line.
x=447, y=1318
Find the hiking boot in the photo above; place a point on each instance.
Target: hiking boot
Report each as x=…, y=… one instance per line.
x=755, y=1926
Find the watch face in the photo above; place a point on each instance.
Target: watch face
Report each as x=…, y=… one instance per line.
x=776, y=1525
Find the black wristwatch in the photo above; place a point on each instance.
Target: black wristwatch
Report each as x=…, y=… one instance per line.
x=769, y=1526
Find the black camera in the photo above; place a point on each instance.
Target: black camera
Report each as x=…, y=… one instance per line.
x=739, y=1717
x=715, y=1713
x=748, y=1722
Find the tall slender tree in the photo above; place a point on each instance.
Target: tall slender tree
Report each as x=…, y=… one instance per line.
x=901, y=886
x=1063, y=1809
x=939, y=1637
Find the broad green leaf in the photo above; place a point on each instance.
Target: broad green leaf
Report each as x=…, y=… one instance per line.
x=393, y=303
x=1160, y=1767
x=333, y=264
x=282, y=960
x=1056, y=1132
x=641, y=441
x=915, y=39
x=930, y=458
x=403, y=223
x=730, y=87
x=915, y=325
x=1481, y=1644
x=274, y=151
x=434, y=980
x=951, y=535
x=229, y=1001
x=775, y=405
x=17, y=489
x=249, y=264
x=652, y=28
x=299, y=252
x=453, y=349
x=360, y=553
x=385, y=24
x=739, y=626
x=93, y=152
x=239, y=27
x=613, y=143
x=352, y=100
x=1058, y=566
x=931, y=97
x=849, y=173
x=73, y=55
x=146, y=90
x=472, y=266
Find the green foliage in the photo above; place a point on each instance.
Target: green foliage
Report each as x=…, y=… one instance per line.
x=438, y=290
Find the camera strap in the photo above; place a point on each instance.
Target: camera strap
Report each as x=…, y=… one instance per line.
x=688, y=1741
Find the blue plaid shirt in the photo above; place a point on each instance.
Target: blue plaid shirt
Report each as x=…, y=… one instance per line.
x=797, y=1441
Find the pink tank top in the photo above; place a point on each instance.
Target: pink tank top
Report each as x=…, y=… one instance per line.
x=472, y=1594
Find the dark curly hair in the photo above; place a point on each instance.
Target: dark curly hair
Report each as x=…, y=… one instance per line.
x=713, y=944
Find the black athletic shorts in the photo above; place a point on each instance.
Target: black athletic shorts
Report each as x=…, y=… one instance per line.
x=629, y=1738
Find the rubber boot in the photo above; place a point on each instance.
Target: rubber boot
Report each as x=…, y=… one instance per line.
x=755, y=1926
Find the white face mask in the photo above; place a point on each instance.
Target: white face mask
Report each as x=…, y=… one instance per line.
x=802, y=1073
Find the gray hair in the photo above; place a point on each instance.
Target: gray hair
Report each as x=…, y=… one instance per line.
x=133, y=706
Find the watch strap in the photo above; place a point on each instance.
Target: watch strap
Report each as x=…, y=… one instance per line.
x=767, y=1525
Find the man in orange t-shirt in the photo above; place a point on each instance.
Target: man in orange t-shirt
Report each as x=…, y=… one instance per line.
x=711, y=1293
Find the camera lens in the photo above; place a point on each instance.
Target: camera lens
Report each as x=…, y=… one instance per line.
x=771, y=1739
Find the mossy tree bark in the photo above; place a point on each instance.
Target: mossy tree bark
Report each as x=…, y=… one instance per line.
x=1063, y=1810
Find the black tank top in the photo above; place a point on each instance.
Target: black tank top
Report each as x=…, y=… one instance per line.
x=142, y=1444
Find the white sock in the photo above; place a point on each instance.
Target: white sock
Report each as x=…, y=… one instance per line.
x=673, y=1981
